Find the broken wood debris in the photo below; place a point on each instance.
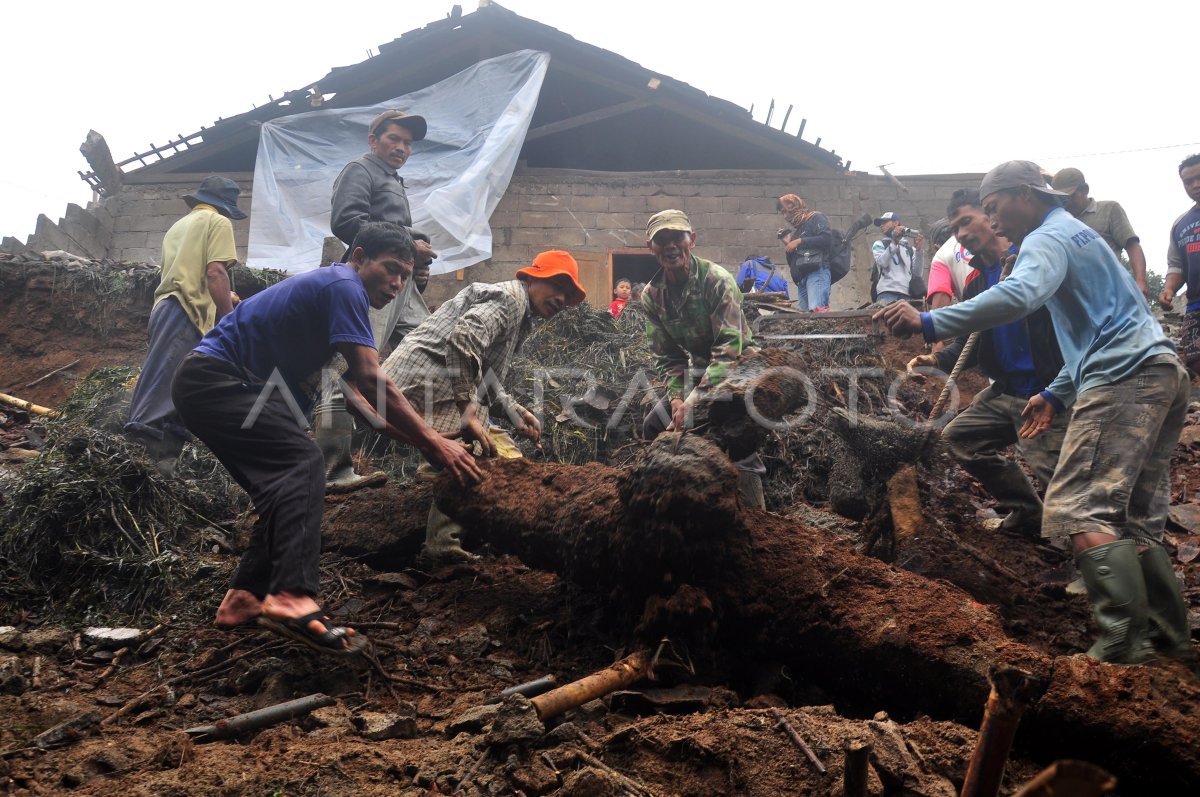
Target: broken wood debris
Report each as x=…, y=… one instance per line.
x=797, y=739
x=1013, y=690
x=1069, y=779
x=855, y=775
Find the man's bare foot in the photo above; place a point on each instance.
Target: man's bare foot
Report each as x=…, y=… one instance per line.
x=289, y=606
x=238, y=608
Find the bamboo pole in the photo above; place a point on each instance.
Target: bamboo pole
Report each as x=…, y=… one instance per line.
x=616, y=676
x=1013, y=690
x=28, y=406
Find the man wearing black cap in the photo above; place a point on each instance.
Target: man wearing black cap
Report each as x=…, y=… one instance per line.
x=193, y=294
x=1110, y=490
x=370, y=188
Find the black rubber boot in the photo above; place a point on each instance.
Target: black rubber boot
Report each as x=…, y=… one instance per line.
x=1115, y=586
x=1169, y=630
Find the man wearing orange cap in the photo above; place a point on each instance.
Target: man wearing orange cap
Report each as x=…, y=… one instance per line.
x=452, y=367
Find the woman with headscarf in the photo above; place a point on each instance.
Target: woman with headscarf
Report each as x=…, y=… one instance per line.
x=806, y=244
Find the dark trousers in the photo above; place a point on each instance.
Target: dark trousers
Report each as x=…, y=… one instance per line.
x=273, y=460
x=152, y=415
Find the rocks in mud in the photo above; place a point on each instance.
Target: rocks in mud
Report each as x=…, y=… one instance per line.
x=377, y=726
x=511, y=721
x=12, y=676
x=473, y=720
x=48, y=641
x=112, y=638
x=591, y=782
x=515, y=723
x=69, y=731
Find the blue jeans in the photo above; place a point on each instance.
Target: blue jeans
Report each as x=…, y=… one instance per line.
x=813, y=289
x=890, y=297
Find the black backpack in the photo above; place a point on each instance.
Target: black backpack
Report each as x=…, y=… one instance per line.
x=837, y=257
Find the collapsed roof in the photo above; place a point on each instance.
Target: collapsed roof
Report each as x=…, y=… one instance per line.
x=597, y=110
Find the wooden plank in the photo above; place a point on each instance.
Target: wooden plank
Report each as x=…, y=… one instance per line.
x=586, y=119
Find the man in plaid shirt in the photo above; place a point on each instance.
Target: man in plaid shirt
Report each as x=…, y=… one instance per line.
x=695, y=325
x=452, y=367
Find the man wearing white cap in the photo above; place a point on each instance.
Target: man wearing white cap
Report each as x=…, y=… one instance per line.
x=1110, y=490
x=896, y=256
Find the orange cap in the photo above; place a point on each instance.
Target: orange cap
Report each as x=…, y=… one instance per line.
x=557, y=263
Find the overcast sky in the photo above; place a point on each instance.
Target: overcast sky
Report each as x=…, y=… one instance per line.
x=927, y=87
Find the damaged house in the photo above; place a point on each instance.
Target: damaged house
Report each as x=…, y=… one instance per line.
x=610, y=143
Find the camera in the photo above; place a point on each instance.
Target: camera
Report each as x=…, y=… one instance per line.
x=782, y=234
x=904, y=232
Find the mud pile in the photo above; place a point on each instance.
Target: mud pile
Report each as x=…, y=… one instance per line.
x=583, y=565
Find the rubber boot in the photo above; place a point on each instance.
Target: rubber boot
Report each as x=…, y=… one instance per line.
x=333, y=431
x=443, y=541
x=1169, y=631
x=1118, y=593
x=750, y=489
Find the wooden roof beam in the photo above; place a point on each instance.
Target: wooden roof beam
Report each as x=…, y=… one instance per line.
x=588, y=118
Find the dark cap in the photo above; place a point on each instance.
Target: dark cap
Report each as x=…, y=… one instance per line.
x=1068, y=181
x=411, y=122
x=220, y=192
x=1014, y=174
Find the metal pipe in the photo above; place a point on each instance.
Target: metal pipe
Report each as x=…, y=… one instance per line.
x=529, y=689
x=613, y=677
x=262, y=718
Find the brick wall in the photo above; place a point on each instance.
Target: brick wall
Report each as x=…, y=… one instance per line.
x=143, y=212
x=592, y=213
x=733, y=212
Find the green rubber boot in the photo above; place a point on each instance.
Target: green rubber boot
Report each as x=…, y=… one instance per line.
x=1115, y=586
x=1169, y=630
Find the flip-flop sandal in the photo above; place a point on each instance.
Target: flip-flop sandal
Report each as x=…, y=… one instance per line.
x=329, y=641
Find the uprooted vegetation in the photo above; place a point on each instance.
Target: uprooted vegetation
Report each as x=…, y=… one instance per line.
x=585, y=564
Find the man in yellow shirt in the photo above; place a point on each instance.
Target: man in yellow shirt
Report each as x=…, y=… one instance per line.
x=193, y=294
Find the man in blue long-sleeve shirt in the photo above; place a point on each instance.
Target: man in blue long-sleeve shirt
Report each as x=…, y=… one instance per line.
x=1109, y=492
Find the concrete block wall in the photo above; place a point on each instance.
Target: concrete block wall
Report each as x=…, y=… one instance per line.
x=733, y=212
x=596, y=212
x=142, y=212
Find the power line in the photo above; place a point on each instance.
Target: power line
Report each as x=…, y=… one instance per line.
x=1116, y=152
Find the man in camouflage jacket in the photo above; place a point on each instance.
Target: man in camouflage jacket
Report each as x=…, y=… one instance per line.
x=696, y=327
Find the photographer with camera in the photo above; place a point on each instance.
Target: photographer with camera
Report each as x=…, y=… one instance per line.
x=896, y=275
x=806, y=244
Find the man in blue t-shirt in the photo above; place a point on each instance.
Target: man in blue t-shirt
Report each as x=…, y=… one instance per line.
x=1109, y=492
x=1183, y=264
x=244, y=391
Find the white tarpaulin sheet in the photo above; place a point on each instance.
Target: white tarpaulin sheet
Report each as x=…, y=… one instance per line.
x=454, y=178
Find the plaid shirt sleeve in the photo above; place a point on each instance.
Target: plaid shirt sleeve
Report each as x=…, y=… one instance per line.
x=473, y=334
x=730, y=332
